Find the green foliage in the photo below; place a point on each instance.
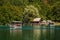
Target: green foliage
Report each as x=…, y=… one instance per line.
x=12, y=10
x=56, y=11
x=9, y=13
x=30, y=13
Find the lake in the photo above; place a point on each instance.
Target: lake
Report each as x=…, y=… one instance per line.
x=30, y=33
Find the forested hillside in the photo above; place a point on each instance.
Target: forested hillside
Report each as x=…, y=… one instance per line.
x=14, y=10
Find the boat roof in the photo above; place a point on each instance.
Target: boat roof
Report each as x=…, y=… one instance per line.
x=37, y=19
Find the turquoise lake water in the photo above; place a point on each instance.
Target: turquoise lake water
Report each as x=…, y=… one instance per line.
x=30, y=33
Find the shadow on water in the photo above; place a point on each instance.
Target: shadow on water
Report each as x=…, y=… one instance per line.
x=27, y=34
x=57, y=33
x=15, y=34
x=4, y=34
x=31, y=33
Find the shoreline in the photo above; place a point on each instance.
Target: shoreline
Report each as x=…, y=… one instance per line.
x=57, y=23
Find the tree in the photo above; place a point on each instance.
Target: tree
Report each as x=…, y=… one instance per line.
x=9, y=13
x=30, y=13
x=56, y=11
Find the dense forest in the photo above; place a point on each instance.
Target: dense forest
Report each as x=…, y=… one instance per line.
x=26, y=10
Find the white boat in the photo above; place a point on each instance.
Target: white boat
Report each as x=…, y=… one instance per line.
x=15, y=25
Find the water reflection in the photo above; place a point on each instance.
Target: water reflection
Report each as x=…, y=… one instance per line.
x=4, y=34
x=15, y=34
x=36, y=34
